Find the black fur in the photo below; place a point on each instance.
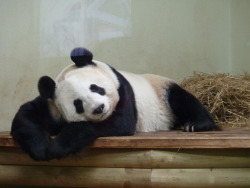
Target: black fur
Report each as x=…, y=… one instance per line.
x=97, y=89
x=33, y=125
x=46, y=87
x=81, y=57
x=99, y=109
x=188, y=110
x=78, y=105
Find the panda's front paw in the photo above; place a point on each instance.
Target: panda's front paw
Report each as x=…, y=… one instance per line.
x=200, y=126
x=56, y=151
x=38, y=154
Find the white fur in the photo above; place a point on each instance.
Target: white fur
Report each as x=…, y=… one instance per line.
x=153, y=112
x=150, y=94
x=74, y=83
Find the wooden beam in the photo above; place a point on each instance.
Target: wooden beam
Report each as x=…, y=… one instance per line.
x=123, y=177
x=74, y=176
x=228, y=138
x=197, y=178
x=139, y=158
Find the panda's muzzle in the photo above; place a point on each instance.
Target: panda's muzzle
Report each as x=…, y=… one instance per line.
x=99, y=110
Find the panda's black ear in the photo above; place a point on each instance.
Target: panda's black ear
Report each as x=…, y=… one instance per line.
x=81, y=57
x=46, y=87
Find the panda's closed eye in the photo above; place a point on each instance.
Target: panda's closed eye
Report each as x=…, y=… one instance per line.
x=96, y=89
x=78, y=105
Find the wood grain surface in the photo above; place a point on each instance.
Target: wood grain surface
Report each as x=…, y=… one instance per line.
x=228, y=138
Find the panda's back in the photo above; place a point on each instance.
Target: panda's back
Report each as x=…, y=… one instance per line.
x=150, y=95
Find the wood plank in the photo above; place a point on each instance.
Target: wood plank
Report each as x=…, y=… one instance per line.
x=74, y=176
x=205, y=178
x=228, y=138
x=6, y=140
x=89, y=158
x=201, y=158
x=123, y=177
x=139, y=158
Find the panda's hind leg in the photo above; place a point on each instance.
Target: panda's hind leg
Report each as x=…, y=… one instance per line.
x=188, y=110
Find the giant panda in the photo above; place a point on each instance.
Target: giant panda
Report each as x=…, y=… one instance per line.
x=91, y=99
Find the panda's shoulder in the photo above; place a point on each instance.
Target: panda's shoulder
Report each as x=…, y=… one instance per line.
x=35, y=108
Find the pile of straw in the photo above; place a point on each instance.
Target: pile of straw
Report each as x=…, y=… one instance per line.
x=226, y=97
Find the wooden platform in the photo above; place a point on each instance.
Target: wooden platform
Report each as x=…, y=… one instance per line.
x=228, y=138
x=161, y=159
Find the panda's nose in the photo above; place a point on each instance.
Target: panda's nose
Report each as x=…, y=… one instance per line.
x=99, y=110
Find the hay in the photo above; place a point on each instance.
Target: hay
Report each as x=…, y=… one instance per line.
x=226, y=97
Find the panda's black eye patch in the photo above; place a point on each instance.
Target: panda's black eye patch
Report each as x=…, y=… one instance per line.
x=96, y=89
x=78, y=105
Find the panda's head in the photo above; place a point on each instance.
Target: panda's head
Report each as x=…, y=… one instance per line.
x=86, y=91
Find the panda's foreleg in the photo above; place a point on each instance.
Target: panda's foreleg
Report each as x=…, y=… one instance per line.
x=188, y=110
x=73, y=137
x=77, y=135
x=29, y=133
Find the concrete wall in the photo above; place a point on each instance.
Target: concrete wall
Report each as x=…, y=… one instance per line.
x=172, y=38
x=240, y=36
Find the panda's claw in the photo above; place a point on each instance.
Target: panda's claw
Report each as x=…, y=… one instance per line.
x=189, y=128
x=194, y=127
